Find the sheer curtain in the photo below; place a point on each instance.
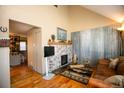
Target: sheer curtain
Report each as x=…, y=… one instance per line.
x=102, y=42
x=75, y=36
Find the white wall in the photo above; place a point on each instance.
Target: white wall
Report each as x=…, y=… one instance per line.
x=4, y=68
x=82, y=19
x=30, y=37
x=46, y=17
x=4, y=56
x=35, y=49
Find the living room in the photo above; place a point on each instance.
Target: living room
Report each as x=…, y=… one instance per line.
x=90, y=36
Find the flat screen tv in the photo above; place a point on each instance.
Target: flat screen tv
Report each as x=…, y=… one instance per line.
x=48, y=51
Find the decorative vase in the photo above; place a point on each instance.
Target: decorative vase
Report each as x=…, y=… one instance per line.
x=49, y=40
x=74, y=59
x=53, y=37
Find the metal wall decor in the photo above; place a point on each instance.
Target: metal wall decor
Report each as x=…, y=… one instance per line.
x=3, y=29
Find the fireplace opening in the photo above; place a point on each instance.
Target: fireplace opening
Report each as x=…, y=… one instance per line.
x=64, y=60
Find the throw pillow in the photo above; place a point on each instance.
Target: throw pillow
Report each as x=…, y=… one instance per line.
x=116, y=81
x=121, y=58
x=113, y=63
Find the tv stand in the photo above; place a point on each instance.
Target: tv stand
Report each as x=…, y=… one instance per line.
x=48, y=75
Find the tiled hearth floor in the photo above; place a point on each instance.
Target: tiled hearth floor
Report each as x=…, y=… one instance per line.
x=25, y=77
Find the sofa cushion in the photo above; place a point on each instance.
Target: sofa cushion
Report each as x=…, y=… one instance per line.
x=116, y=81
x=113, y=63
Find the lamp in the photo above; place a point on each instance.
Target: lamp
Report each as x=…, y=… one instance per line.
x=122, y=27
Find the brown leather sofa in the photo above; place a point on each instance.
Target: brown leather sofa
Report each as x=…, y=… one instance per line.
x=103, y=71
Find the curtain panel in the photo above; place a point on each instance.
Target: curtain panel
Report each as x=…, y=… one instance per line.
x=96, y=43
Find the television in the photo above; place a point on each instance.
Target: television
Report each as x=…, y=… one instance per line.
x=48, y=51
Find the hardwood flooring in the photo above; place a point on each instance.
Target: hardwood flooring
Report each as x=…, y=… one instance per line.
x=25, y=77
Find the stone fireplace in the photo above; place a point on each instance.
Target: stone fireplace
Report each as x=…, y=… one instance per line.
x=63, y=55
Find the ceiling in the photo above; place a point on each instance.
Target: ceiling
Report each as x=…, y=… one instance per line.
x=18, y=27
x=114, y=12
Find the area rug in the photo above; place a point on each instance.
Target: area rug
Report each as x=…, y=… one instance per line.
x=76, y=76
x=82, y=78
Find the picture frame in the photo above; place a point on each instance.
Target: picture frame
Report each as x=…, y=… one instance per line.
x=61, y=34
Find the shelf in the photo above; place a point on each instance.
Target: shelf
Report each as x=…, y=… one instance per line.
x=59, y=43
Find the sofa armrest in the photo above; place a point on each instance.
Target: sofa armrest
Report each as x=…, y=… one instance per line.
x=104, y=69
x=103, y=62
x=96, y=83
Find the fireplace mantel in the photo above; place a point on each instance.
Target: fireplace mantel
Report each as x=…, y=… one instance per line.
x=59, y=43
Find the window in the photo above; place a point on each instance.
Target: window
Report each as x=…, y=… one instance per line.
x=22, y=46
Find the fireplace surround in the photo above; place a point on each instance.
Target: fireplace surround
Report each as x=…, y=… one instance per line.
x=54, y=62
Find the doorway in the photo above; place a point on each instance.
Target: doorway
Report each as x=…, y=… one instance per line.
x=25, y=47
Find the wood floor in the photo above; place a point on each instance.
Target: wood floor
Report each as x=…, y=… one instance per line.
x=25, y=77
